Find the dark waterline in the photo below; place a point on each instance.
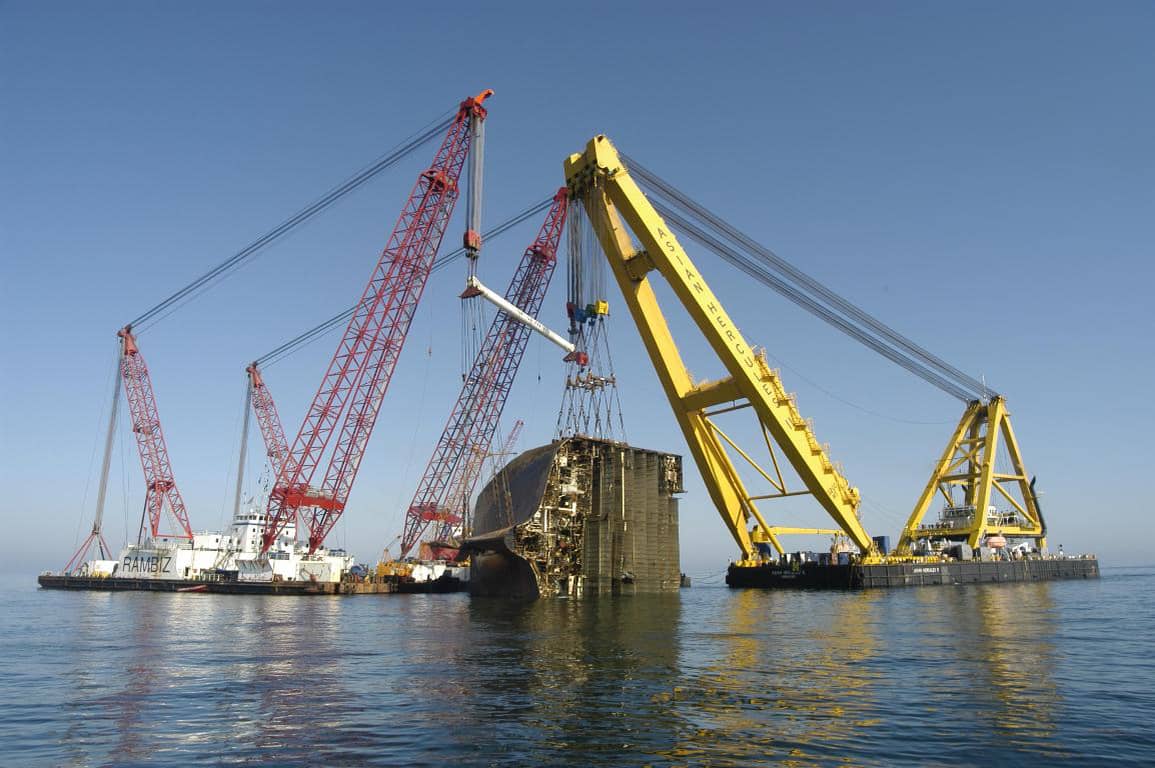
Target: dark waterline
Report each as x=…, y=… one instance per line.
x=1014, y=674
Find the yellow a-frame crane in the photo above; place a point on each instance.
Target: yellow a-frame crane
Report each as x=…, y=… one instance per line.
x=966, y=476
x=601, y=181
x=967, y=479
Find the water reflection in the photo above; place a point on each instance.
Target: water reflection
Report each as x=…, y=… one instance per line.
x=787, y=682
x=120, y=711
x=708, y=676
x=247, y=677
x=1018, y=642
x=292, y=678
x=574, y=680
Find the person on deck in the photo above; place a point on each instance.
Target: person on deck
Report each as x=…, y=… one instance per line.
x=761, y=541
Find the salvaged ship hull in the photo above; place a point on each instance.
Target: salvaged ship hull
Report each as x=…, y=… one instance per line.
x=578, y=516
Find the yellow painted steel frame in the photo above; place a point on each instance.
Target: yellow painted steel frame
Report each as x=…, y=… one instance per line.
x=602, y=182
x=969, y=463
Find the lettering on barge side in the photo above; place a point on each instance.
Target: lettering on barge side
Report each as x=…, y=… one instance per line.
x=147, y=564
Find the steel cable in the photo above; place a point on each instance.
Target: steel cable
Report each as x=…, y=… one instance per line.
x=297, y=342
x=860, y=317
x=805, y=301
x=402, y=150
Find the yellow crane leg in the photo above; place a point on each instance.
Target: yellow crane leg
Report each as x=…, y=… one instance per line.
x=969, y=464
x=613, y=201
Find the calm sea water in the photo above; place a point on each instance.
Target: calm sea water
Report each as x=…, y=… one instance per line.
x=978, y=675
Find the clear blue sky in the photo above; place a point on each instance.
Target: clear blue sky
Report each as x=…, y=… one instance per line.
x=981, y=176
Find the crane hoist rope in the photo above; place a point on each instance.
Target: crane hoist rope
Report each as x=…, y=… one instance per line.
x=590, y=404
x=807, y=302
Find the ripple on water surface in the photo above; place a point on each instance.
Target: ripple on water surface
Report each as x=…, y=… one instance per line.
x=997, y=674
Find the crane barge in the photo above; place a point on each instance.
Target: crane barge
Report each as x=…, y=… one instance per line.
x=991, y=527
x=261, y=552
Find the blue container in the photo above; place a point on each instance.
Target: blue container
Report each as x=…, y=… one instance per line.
x=883, y=544
x=844, y=558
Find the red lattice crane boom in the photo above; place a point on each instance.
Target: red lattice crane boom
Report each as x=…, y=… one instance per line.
x=476, y=413
x=455, y=512
x=276, y=446
x=160, y=486
x=350, y=394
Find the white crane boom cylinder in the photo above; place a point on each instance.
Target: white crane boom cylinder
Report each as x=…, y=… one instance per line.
x=499, y=301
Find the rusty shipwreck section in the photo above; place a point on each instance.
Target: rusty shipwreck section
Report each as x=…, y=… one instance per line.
x=578, y=516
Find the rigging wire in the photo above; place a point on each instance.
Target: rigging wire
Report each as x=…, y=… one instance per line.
x=818, y=293
x=317, y=331
x=760, y=273
x=795, y=373
x=102, y=417
x=415, y=141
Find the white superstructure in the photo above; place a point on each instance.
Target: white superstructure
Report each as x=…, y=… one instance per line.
x=236, y=553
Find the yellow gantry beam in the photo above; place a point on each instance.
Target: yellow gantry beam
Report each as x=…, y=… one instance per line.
x=601, y=181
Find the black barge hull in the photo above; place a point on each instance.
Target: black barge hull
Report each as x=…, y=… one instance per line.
x=115, y=584
x=820, y=576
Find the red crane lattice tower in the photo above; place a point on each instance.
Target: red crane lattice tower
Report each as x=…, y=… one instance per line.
x=476, y=413
x=160, y=487
x=276, y=446
x=359, y=373
x=457, y=502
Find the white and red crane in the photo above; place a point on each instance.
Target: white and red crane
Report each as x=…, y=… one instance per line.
x=268, y=420
x=161, y=492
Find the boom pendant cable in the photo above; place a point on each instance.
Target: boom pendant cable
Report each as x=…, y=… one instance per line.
x=317, y=331
x=811, y=294
x=358, y=179
x=764, y=276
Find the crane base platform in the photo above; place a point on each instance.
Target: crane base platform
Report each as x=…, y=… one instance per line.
x=910, y=574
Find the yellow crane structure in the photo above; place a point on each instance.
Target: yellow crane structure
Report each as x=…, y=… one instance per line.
x=967, y=477
x=971, y=487
x=612, y=200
